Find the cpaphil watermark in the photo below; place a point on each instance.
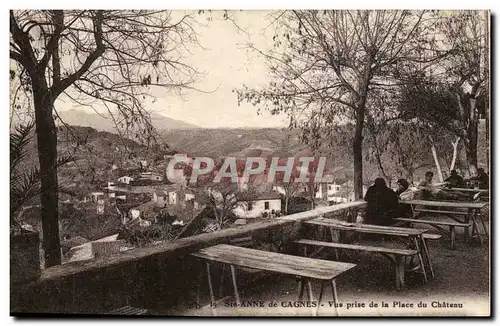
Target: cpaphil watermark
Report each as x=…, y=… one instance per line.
x=292, y=169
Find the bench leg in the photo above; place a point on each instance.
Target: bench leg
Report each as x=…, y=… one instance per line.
x=452, y=237
x=334, y=295
x=400, y=271
x=235, y=285
x=333, y=240
x=211, y=289
x=427, y=256
x=467, y=228
x=421, y=260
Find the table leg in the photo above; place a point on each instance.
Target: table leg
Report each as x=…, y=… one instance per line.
x=323, y=283
x=309, y=290
x=478, y=213
x=467, y=221
x=198, y=292
x=236, y=294
x=310, y=293
x=301, y=289
x=334, y=295
x=211, y=289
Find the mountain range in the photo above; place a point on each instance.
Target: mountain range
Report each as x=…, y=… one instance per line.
x=80, y=118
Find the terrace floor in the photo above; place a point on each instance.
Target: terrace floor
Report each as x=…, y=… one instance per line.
x=462, y=277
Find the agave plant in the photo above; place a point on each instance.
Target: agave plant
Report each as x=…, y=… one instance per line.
x=24, y=182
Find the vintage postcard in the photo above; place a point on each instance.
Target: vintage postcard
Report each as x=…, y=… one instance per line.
x=250, y=162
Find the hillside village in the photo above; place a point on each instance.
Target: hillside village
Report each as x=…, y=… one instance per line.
x=139, y=202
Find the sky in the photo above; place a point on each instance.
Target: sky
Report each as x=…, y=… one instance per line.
x=225, y=64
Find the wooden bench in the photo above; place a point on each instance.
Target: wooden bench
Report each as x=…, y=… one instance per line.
x=396, y=256
x=437, y=225
x=432, y=236
x=440, y=211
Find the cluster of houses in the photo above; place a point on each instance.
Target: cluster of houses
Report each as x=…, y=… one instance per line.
x=183, y=202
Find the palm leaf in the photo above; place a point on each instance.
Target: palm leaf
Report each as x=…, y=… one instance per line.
x=25, y=185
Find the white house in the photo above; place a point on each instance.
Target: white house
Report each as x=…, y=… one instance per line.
x=334, y=190
x=125, y=179
x=160, y=197
x=264, y=203
x=172, y=197
x=95, y=196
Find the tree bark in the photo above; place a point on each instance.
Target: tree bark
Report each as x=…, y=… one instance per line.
x=46, y=133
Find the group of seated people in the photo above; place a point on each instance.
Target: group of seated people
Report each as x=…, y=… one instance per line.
x=383, y=202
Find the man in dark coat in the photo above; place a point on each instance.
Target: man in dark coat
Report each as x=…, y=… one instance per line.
x=455, y=180
x=382, y=204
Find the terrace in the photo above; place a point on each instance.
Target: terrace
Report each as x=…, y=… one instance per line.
x=164, y=279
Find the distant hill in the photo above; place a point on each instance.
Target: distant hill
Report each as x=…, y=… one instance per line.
x=80, y=118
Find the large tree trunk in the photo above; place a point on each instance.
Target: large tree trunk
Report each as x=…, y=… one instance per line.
x=357, y=148
x=471, y=155
x=357, y=145
x=46, y=133
x=471, y=141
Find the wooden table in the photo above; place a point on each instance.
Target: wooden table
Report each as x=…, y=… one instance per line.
x=469, y=193
x=415, y=236
x=482, y=191
x=473, y=213
x=305, y=268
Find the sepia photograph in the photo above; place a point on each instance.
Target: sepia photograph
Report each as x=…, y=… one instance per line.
x=250, y=163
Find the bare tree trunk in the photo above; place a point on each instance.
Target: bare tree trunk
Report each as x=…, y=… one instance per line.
x=47, y=155
x=455, y=153
x=436, y=161
x=358, y=156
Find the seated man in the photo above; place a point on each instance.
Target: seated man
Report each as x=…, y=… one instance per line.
x=482, y=179
x=455, y=180
x=382, y=203
x=404, y=192
x=428, y=190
